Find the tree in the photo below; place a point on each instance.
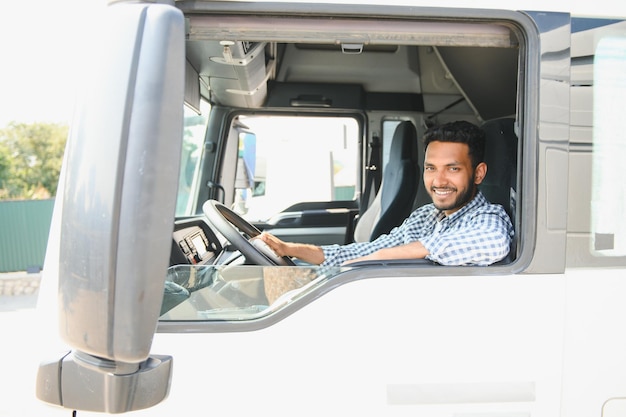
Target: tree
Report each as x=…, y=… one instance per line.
x=30, y=159
x=5, y=167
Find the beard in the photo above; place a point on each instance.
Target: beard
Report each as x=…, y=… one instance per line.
x=460, y=200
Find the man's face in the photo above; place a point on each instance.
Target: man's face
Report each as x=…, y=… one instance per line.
x=449, y=177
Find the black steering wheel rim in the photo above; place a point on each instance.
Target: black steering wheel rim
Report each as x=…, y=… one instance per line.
x=230, y=224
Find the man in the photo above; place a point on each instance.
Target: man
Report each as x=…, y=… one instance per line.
x=460, y=227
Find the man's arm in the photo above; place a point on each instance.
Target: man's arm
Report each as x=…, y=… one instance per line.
x=308, y=253
x=413, y=250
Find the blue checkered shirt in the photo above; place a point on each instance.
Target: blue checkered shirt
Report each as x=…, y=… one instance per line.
x=479, y=233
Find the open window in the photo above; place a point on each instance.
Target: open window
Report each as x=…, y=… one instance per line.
x=299, y=114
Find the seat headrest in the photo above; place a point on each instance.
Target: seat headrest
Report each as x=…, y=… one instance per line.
x=404, y=143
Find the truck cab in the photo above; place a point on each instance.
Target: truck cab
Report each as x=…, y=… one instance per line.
x=207, y=123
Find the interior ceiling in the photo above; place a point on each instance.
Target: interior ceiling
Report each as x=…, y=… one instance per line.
x=487, y=76
x=333, y=66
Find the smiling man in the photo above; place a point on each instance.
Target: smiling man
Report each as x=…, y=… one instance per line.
x=460, y=227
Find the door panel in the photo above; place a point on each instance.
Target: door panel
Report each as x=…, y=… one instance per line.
x=412, y=346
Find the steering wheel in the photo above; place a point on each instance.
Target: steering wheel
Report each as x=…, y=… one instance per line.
x=231, y=225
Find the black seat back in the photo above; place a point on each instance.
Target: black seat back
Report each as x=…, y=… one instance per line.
x=394, y=201
x=500, y=184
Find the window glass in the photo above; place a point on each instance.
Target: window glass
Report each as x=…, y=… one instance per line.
x=236, y=293
x=608, y=203
x=193, y=137
x=284, y=160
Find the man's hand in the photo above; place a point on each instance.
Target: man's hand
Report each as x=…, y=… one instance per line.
x=275, y=243
x=308, y=253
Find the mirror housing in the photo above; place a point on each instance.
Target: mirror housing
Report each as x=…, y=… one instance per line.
x=118, y=208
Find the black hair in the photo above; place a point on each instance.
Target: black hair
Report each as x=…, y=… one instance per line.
x=460, y=132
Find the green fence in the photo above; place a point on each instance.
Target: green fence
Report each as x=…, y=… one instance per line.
x=344, y=192
x=24, y=227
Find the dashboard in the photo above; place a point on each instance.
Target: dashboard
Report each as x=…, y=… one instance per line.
x=194, y=242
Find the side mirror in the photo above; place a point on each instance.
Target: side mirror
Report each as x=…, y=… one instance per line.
x=118, y=207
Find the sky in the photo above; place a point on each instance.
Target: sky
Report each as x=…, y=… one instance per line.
x=42, y=42
x=39, y=69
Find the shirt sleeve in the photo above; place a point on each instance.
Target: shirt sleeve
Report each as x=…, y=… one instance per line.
x=483, y=240
x=335, y=255
x=408, y=231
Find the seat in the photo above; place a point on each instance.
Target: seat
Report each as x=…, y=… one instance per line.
x=500, y=184
x=394, y=200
